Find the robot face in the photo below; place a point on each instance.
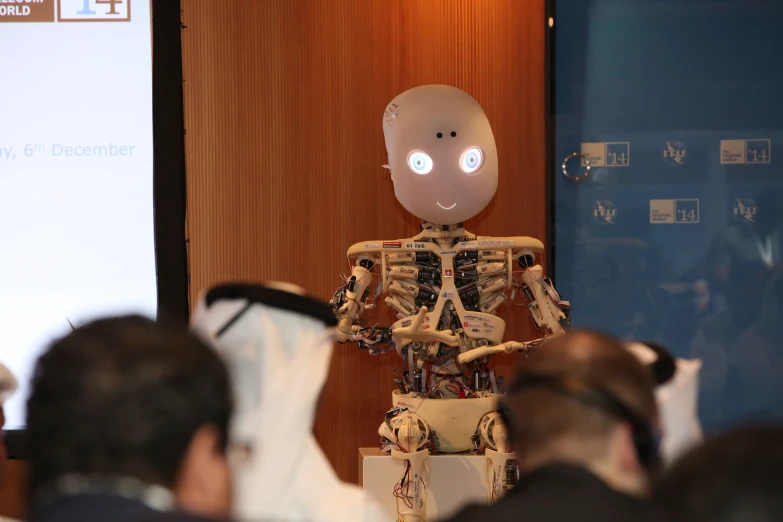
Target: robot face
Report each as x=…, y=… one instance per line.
x=442, y=154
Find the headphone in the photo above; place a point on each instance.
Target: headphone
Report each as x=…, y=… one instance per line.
x=646, y=440
x=664, y=366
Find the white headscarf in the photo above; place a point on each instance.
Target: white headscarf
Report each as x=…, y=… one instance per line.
x=677, y=398
x=278, y=345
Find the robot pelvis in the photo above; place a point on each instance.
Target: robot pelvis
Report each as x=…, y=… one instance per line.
x=445, y=425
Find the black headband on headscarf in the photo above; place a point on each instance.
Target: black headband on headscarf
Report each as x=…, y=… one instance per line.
x=273, y=297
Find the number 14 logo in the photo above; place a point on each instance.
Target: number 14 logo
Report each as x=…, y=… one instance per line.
x=618, y=154
x=93, y=10
x=617, y=159
x=87, y=10
x=687, y=215
x=686, y=211
x=757, y=156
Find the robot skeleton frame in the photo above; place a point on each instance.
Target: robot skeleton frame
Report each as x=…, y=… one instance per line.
x=445, y=285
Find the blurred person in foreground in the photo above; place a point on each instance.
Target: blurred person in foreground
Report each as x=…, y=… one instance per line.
x=278, y=343
x=736, y=476
x=8, y=385
x=127, y=420
x=581, y=418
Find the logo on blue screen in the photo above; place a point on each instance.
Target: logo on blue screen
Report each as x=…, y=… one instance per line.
x=604, y=212
x=674, y=153
x=745, y=210
x=746, y=152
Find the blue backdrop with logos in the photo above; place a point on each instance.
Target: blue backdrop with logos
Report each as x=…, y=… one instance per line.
x=676, y=234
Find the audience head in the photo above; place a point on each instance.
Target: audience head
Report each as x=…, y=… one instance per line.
x=733, y=477
x=584, y=399
x=126, y=398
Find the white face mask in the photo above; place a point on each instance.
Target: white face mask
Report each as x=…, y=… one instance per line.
x=441, y=154
x=677, y=400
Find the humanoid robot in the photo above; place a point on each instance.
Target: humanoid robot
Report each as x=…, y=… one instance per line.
x=445, y=284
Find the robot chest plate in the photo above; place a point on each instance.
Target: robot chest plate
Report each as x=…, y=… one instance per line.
x=468, y=279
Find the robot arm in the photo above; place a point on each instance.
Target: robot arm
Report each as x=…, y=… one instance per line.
x=349, y=300
x=548, y=311
x=349, y=303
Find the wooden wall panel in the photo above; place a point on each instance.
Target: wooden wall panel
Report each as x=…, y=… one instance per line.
x=284, y=146
x=13, y=493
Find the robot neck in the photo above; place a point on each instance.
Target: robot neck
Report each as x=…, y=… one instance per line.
x=443, y=233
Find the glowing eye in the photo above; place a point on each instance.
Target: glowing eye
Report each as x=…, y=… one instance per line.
x=419, y=162
x=471, y=160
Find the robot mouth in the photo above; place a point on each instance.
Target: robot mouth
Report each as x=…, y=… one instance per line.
x=446, y=208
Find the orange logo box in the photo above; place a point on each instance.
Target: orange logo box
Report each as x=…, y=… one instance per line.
x=27, y=11
x=93, y=10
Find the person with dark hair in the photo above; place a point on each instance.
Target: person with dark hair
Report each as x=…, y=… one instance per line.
x=127, y=418
x=732, y=477
x=582, y=421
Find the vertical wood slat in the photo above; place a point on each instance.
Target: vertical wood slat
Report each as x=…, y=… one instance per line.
x=284, y=147
x=13, y=493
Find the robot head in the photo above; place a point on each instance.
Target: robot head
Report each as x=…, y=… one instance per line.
x=442, y=153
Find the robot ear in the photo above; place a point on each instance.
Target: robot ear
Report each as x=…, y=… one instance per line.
x=387, y=167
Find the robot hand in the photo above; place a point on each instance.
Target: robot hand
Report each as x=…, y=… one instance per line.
x=345, y=330
x=418, y=331
x=378, y=339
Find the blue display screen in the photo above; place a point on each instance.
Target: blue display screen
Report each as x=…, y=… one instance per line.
x=676, y=234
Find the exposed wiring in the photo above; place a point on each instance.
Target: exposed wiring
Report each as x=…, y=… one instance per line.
x=402, y=493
